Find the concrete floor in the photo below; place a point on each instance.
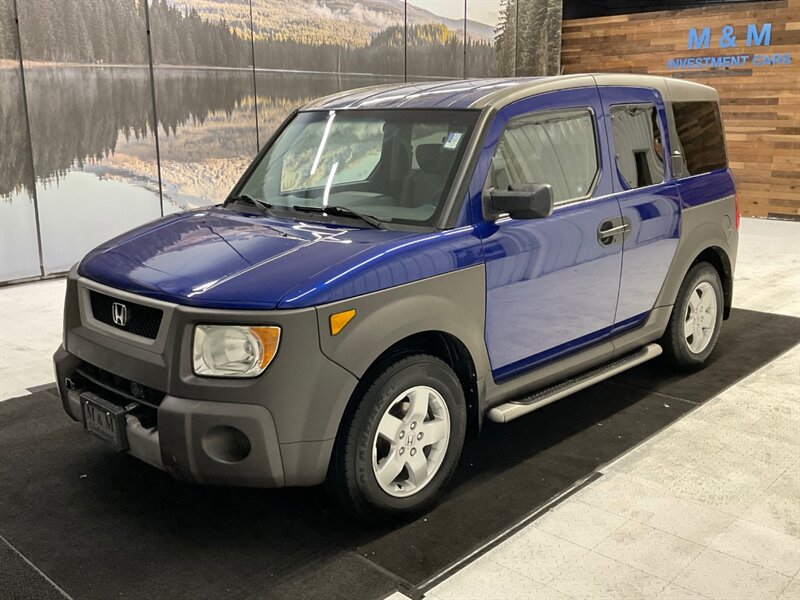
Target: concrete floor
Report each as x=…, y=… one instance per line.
x=708, y=508
x=30, y=332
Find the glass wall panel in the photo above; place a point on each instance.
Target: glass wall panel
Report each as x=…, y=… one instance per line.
x=435, y=37
x=19, y=251
x=280, y=93
x=485, y=46
x=538, y=48
x=330, y=37
x=505, y=43
x=302, y=55
x=205, y=101
x=90, y=111
x=225, y=74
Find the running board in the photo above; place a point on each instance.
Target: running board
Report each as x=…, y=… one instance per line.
x=508, y=411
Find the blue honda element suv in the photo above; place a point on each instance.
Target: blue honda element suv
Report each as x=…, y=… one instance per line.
x=399, y=264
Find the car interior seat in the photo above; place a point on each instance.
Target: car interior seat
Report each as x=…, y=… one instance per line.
x=424, y=185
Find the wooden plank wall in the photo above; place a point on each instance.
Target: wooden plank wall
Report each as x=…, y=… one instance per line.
x=760, y=105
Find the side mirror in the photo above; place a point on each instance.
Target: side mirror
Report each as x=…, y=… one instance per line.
x=523, y=201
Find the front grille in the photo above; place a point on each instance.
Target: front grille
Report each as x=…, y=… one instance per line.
x=137, y=319
x=125, y=389
x=120, y=391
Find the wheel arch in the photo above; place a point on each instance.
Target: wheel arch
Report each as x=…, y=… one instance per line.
x=444, y=346
x=443, y=316
x=704, y=238
x=719, y=259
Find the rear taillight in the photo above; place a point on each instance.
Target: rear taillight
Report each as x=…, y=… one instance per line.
x=738, y=212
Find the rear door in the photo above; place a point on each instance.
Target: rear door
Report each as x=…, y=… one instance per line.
x=648, y=197
x=551, y=283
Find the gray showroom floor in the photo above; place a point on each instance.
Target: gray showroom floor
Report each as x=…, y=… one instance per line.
x=707, y=508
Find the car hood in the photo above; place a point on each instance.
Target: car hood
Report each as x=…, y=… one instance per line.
x=226, y=259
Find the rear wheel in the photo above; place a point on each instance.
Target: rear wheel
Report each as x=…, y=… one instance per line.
x=696, y=318
x=400, y=447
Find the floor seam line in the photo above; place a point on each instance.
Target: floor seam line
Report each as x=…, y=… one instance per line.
x=680, y=537
x=44, y=575
x=637, y=568
x=532, y=516
x=397, y=578
x=745, y=560
x=655, y=393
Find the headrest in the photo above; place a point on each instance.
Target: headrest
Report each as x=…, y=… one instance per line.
x=434, y=158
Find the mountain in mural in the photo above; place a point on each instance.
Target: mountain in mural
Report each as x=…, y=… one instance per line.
x=330, y=21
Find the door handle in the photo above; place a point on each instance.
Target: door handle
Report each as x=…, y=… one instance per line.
x=608, y=231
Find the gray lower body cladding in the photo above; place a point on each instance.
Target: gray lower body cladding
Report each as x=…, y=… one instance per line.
x=708, y=226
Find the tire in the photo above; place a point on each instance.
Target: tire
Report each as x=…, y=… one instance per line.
x=696, y=318
x=426, y=455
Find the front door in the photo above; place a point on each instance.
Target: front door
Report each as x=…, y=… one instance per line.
x=551, y=283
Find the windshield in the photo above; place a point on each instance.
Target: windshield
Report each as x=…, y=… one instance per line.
x=394, y=165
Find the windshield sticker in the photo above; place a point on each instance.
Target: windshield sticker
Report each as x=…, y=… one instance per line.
x=451, y=141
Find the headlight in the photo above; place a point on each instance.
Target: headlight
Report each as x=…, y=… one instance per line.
x=233, y=350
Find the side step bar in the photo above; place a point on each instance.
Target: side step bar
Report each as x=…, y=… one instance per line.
x=508, y=411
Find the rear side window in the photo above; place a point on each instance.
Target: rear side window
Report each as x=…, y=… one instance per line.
x=557, y=149
x=638, y=144
x=699, y=128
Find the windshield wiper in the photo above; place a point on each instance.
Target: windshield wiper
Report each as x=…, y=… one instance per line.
x=266, y=207
x=341, y=211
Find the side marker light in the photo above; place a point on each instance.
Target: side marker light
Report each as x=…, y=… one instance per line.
x=339, y=320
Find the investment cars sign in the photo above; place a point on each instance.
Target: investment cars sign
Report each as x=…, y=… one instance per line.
x=756, y=36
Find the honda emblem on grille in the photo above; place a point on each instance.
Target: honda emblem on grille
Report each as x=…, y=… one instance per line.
x=119, y=312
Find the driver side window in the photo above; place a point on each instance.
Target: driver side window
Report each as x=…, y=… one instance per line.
x=559, y=149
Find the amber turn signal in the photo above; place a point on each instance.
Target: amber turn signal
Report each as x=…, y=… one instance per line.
x=339, y=320
x=269, y=338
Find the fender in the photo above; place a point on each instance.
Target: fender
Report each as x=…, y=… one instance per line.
x=454, y=303
x=703, y=227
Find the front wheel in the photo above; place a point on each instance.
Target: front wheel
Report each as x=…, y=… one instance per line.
x=401, y=445
x=696, y=318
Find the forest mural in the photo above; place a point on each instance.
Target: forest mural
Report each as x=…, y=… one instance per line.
x=117, y=127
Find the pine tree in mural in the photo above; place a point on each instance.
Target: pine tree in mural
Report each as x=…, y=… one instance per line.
x=506, y=38
x=8, y=35
x=86, y=32
x=528, y=41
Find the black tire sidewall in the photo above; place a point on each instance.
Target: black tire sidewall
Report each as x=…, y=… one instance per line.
x=394, y=380
x=678, y=346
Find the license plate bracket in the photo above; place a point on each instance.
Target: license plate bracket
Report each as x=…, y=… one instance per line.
x=105, y=420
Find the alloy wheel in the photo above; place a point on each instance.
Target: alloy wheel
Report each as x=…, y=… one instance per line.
x=701, y=317
x=411, y=441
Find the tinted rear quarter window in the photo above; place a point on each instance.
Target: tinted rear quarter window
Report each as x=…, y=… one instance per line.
x=699, y=128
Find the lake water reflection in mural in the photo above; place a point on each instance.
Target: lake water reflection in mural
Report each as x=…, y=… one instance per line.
x=19, y=250
x=207, y=133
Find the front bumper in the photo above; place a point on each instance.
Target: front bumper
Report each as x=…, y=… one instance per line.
x=289, y=415
x=194, y=440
